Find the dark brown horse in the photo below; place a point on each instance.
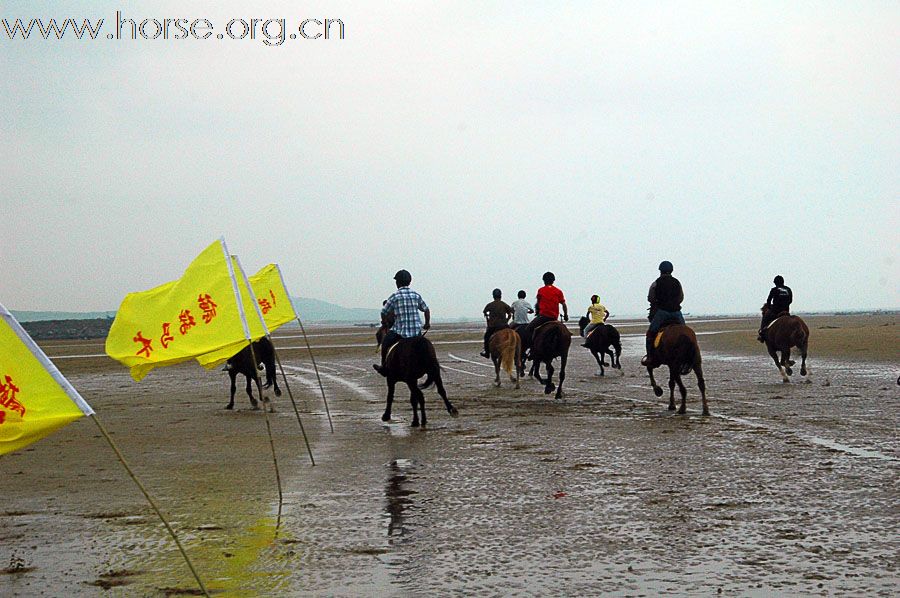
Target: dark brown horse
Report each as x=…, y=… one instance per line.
x=550, y=340
x=784, y=332
x=599, y=341
x=506, y=351
x=679, y=350
x=242, y=363
x=407, y=361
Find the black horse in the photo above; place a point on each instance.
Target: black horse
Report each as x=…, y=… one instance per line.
x=242, y=363
x=407, y=361
x=599, y=342
x=551, y=340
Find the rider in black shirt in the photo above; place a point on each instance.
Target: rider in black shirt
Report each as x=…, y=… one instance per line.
x=779, y=302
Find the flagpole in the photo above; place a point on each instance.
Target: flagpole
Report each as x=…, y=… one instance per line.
x=151, y=501
x=308, y=348
x=275, y=352
x=240, y=306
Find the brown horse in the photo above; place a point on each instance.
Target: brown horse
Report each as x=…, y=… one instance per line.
x=550, y=340
x=599, y=341
x=679, y=350
x=506, y=351
x=407, y=361
x=784, y=332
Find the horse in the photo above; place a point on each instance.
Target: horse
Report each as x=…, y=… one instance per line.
x=506, y=351
x=599, y=342
x=781, y=334
x=242, y=363
x=550, y=340
x=679, y=350
x=407, y=361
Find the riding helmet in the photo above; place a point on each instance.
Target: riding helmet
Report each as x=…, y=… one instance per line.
x=666, y=266
x=778, y=281
x=497, y=293
x=549, y=278
x=403, y=277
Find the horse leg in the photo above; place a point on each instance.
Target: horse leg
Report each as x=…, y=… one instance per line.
x=439, y=384
x=599, y=361
x=774, y=354
x=671, y=389
x=417, y=400
x=786, y=359
x=562, y=374
x=386, y=416
x=536, y=372
x=548, y=385
x=683, y=409
x=496, y=361
x=656, y=389
x=253, y=404
x=803, y=370
x=232, y=374
x=701, y=384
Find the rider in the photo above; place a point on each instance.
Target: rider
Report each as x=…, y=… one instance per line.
x=404, y=305
x=549, y=298
x=665, y=299
x=597, y=313
x=521, y=309
x=778, y=302
x=497, y=313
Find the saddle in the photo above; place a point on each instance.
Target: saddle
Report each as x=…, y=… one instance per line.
x=591, y=333
x=780, y=315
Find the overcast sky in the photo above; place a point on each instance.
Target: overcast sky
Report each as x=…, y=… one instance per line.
x=477, y=144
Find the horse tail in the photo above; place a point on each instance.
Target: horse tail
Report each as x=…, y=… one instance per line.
x=508, y=355
x=432, y=366
x=686, y=349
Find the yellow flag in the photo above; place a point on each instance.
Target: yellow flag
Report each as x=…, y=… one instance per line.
x=255, y=318
x=35, y=398
x=179, y=320
x=272, y=297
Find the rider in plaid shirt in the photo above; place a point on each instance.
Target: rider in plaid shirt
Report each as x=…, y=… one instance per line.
x=404, y=305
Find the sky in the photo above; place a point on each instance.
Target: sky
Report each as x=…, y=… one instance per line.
x=476, y=144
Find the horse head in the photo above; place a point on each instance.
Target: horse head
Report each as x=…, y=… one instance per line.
x=582, y=323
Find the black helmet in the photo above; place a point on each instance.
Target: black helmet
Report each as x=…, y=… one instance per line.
x=403, y=278
x=778, y=281
x=497, y=293
x=666, y=266
x=549, y=277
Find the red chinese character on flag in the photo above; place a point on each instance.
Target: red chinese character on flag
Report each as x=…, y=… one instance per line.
x=264, y=305
x=146, y=348
x=166, y=337
x=187, y=321
x=8, y=397
x=209, y=308
x=272, y=295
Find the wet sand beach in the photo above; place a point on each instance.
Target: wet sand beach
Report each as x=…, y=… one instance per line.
x=787, y=489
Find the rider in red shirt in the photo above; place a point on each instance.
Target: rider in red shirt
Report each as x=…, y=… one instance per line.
x=549, y=298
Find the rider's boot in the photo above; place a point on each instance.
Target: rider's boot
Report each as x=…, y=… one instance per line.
x=648, y=360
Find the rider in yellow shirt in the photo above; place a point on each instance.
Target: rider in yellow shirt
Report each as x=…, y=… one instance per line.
x=597, y=313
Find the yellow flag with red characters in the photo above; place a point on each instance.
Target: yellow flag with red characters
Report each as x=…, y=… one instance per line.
x=197, y=314
x=272, y=303
x=35, y=398
x=272, y=297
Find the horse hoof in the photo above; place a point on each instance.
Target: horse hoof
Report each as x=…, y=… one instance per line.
x=415, y=424
x=791, y=362
x=671, y=407
x=386, y=417
x=789, y=371
x=277, y=392
x=229, y=407
x=657, y=390
x=254, y=408
x=706, y=412
x=453, y=412
x=803, y=371
x=681, y=411
x=549, y=388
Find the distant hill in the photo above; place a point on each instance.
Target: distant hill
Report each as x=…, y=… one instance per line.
x=310, y=310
